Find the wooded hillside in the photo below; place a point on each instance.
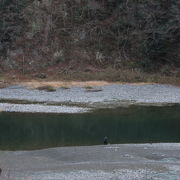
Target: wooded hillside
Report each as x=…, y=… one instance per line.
x=36, y=34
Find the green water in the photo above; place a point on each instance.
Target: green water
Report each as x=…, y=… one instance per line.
x=22, y=131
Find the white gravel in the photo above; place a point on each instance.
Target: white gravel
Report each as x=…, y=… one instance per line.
x=36, y=108
x=141, y=93
x=111, y=94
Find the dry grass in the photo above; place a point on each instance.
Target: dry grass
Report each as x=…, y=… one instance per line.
x=3, y=85
x=3, y=82
x=122, y=76
x=63, y=84
x=90, y=79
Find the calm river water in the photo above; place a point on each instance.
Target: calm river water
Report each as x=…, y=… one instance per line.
x=136, y=124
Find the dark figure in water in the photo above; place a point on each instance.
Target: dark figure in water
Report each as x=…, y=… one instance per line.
x=0, y=171
x=105, y=140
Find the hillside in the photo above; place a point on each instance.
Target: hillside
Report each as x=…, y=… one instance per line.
x=90, y=35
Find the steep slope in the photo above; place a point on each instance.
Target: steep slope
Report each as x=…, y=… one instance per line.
x=75, y=33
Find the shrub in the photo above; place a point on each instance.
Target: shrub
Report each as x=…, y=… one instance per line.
x=47, y=88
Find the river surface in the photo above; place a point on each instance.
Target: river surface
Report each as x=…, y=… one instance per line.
x=135, y=124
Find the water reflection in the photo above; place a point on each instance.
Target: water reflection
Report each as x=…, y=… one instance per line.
x=20, y=131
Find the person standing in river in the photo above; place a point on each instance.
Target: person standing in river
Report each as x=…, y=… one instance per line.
x=105, y=140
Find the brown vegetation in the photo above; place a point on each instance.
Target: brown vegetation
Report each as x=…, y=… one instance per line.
x=72, y=35
x=87, y=79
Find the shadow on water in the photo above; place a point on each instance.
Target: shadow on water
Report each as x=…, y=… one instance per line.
x=136, y=124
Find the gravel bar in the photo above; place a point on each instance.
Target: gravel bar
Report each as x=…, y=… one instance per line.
x=117, y=162
x=111, y=94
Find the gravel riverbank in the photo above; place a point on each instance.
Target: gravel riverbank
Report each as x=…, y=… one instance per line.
x=79, y=98
x=120, y=162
